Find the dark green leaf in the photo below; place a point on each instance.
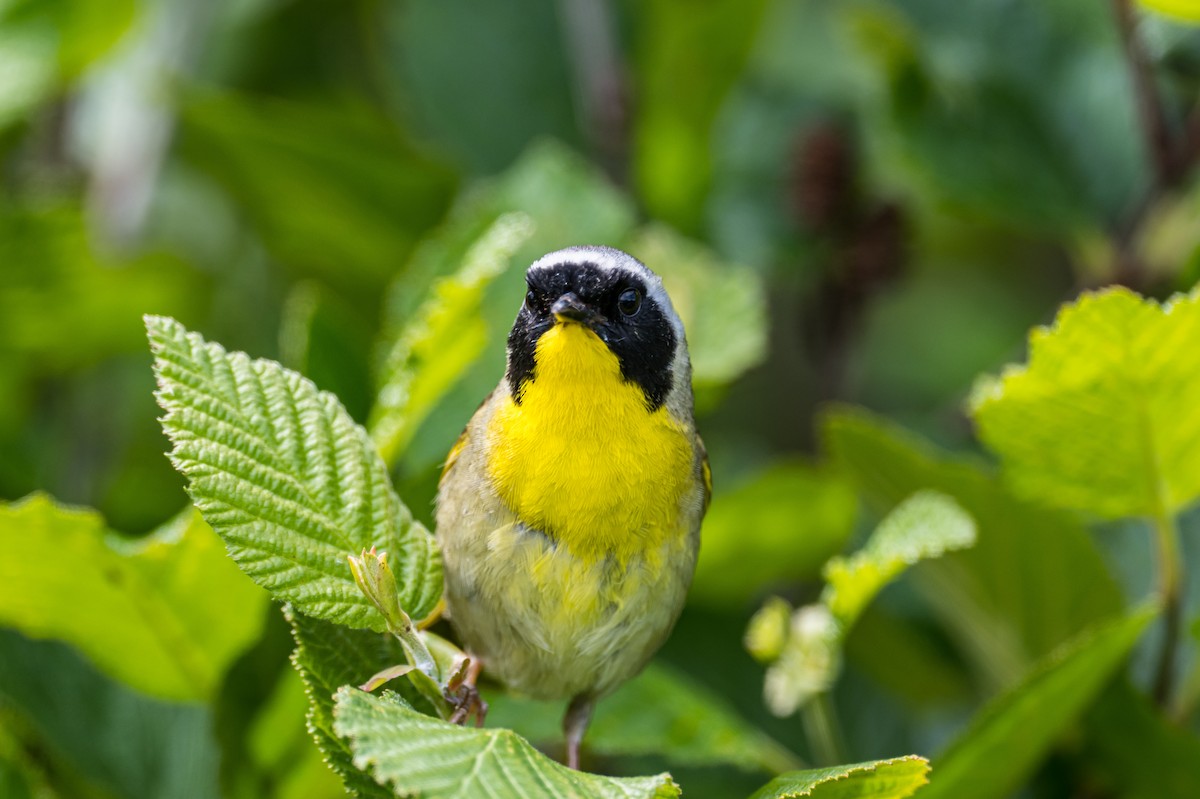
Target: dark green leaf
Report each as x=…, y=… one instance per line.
x=1012, y=735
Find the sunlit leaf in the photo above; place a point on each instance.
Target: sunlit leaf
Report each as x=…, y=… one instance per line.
x=659, y=712
x=1183, y=10
x=1103, y=417
x=1007, y=740
x=926, y=525
x=173, y=598
x=880, y=779
x=809, y=662
x=414, y=753
x=284, y=475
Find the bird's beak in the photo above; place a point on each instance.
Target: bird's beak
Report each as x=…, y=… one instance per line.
x=569, y=307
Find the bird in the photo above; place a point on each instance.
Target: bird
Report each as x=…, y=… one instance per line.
x=569, y=511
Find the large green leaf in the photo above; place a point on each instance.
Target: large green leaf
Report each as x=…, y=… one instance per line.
x=659, y=712
x=284, y=475
x=173, y=598
x=1104, y=417
x=418, y=754
x=879, y=779
x=1007, y=740
x=781, y=524
x=1006, y=599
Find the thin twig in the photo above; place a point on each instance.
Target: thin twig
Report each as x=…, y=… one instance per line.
x=1151, y=113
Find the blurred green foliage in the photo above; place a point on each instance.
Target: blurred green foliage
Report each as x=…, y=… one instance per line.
x=870, y=202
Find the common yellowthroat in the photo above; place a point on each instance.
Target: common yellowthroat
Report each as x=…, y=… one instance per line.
x=569, y=511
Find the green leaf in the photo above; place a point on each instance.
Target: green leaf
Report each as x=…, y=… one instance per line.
x=284, y=475
x=98, y=738
x=417, y=754
x=879, y=779
x=329, y=656
x=337, y=192
x=1103, y=418
x=67, y=577
x=1005, y=599
x=723, y=306
x=926, y=525
x=780, y=525
x=1008, y=739
x=1140, y=754
x=444, y=337
x=659, y=712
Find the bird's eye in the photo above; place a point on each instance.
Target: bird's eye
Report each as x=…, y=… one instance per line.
x=629, y=302
x=531, y=299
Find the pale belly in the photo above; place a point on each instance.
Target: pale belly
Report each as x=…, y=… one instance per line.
x=552, y=626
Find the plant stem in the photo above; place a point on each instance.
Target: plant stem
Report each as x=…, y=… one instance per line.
x=1170, y=570
x=823, y=731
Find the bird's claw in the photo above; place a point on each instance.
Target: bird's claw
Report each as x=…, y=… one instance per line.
x=467, y=703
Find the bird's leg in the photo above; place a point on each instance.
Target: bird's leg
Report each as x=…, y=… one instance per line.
x=575, y=724
x=463, y=693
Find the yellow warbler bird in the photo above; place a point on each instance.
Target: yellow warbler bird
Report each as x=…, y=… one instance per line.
x=569, y=511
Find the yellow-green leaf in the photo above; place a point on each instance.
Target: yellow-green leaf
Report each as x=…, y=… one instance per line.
x=166, y=615
x=896, y=778
x=1104, y=416
x=926, y=525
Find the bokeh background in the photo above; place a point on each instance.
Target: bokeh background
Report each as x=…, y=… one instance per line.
x=862, y=202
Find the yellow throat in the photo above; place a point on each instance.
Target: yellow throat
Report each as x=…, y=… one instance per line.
x=582, y=459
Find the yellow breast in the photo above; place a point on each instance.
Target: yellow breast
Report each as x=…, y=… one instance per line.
x=581, y=457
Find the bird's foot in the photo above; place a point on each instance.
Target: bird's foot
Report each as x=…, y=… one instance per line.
x=463, y=695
